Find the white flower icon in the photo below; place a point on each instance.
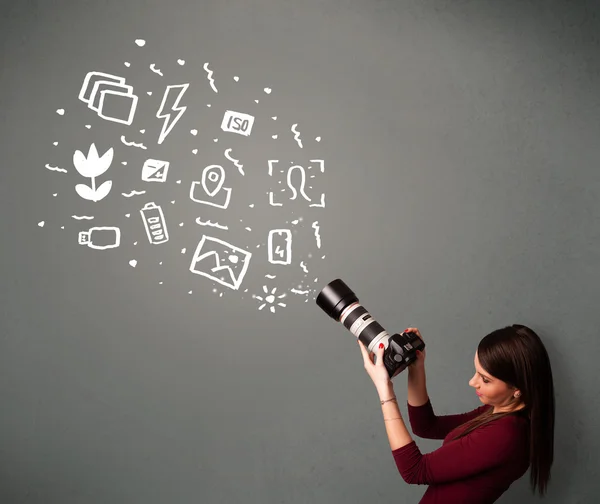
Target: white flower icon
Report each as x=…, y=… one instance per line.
x=93, y=166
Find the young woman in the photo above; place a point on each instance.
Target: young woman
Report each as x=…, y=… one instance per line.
x=485, y=450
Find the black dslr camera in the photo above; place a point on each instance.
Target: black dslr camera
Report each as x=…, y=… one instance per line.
x=341, y=304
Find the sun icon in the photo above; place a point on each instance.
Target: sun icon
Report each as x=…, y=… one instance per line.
x=270, y=299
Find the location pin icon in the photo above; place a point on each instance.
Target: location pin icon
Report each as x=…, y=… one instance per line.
x=213, y=178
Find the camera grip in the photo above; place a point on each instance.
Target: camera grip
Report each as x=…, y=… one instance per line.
x=401, y=352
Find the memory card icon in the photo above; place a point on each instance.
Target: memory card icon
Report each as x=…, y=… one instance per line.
x=280, y=246
x=155, y=170
x=154, y=222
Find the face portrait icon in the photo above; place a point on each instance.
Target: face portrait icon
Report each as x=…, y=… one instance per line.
x=297, y=179
x=210, y=190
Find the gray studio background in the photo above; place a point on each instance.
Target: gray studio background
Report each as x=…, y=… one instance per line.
x=462, y=181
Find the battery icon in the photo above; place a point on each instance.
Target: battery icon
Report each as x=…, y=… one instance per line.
x=280, y=246
x=154, y=222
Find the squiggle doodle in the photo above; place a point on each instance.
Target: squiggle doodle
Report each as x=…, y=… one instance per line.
x=234, y=161
x=212, y=224
x=132, y=144
x=296, y=291
x=296, y=135
x=82, y=217
x=133, y=193
x=55, y=168
x=156, y=70
x=209, y=76
x=315, y=226
x=270, y=276
x=303, y=266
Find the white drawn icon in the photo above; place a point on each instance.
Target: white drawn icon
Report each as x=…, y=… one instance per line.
x=209, y=76
x=236, y=162
x=154, y=223
x=316, y=227
x=101, y=237
x=220, y=261
x=280, y=246
x=155, y=170
x=296, y=135
x=109, y=97
x=302, y=189
x=139, y=145
x=170, y=110
x=156, y=70
x=211, y=224
x=270, y=299
x=237, y=122
x=213, y=192
x=92, y=167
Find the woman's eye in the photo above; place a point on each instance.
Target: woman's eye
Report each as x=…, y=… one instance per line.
x=486, y=381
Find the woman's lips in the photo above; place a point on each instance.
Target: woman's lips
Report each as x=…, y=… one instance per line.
x=478, y=393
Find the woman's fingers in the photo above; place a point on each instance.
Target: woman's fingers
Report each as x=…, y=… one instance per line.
x=365, y=353
x=414, y=330
x=380, y=353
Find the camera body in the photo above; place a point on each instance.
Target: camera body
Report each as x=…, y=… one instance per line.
x=339, y=302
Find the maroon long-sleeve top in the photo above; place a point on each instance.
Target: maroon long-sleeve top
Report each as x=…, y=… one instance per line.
x=475, y=469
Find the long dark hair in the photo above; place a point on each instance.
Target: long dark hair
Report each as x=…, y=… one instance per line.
x=516, y=355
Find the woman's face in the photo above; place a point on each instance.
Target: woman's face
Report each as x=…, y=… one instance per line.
x=491, y=390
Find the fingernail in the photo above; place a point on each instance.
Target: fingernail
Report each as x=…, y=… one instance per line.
x=380, y=345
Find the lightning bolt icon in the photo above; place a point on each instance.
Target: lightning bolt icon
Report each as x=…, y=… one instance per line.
x=169, y=104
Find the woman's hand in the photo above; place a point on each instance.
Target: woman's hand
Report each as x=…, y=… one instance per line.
x=418, y=364
x=377, y=371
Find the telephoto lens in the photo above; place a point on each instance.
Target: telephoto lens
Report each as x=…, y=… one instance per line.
x=339, y=302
